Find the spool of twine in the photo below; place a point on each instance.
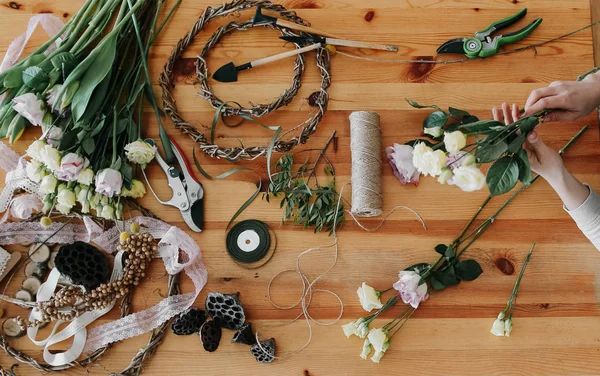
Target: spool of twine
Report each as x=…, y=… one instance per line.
x=365, y=147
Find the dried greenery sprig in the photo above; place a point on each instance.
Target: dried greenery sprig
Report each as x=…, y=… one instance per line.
x=307, y=202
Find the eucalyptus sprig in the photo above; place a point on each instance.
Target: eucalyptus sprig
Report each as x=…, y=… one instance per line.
x=305, y=201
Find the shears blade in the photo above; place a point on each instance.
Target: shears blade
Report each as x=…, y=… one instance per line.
x=301, y=41
x=453, y=46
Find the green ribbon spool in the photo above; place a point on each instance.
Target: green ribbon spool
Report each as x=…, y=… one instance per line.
x=249, y=241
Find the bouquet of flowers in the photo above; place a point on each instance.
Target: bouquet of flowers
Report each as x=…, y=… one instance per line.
x=415, y=282
x=85, y=88
x=450, y=157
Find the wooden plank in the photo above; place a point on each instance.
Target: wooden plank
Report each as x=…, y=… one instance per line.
x=556, y=322
x=595, y=9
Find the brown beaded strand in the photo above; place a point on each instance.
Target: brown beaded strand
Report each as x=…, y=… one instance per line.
x=139, y=251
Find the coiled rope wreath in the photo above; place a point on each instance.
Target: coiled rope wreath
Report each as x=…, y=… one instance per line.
x=318, y=100
x=137, y=362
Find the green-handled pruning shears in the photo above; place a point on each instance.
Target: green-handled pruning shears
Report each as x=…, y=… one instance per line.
x=483, y=45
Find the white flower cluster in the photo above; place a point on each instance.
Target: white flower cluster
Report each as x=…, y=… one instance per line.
x=66, y=179
x=454, y=167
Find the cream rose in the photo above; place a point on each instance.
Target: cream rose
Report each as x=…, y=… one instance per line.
x=498, y=325
x=137, y=190
x=379, y=341
x=468, y=178
x=454, y=141
x=434, y=132
x=35, y=171
x=83, y=198
x=30, y=107
x=35, y=149
x=369, y=298
x=52, y=95
x=108, y=212
x=86, y=176
x=48, y=184
x=366, y=350
x=140, y=152
x=66, y=198
x=50, y=157
x=428, y=161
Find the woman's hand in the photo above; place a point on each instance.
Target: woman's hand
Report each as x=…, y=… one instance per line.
x=569, y=100
x=543, y=160
x=547, y=162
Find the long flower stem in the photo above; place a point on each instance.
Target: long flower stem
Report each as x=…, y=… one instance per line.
x=392, y=324
x=95, y=22
x=481, y=207
x=404, y=322
x=391, y=301
x=513, y=296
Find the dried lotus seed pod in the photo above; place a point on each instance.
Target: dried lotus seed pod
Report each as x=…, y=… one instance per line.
x=244, y=335
x=226, y=309
x=188, y=322
x=265, y=353
x=210, y=335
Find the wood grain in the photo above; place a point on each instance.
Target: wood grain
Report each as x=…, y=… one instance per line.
x=557, y=319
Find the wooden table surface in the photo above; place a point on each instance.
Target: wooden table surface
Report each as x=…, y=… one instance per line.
x=557, y=324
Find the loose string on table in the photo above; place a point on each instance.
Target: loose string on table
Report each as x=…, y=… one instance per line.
x=462, y=60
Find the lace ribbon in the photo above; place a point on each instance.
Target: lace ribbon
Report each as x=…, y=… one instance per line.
x=4, y=258
x=16, y=179
x=172, y=241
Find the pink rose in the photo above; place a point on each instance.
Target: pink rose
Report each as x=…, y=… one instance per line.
x=410, y=288
x=109, y=182
x=30, y=107
x=70, y=166
x=400, y=158
x=54, y=136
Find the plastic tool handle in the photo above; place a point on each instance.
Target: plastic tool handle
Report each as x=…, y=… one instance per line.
x=503, y=23
x=511, y=38
x=273, y=58
x=351, y=43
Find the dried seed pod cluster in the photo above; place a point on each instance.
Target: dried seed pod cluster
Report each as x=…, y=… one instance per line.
x=72, y=301
x=265, y=353
x=227, y=309
x=210, y=335
x=82, y=264
x=188, y=322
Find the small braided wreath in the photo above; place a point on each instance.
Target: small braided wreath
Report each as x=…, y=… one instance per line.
x=319, y=99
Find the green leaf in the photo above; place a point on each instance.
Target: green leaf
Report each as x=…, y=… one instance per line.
x=436, y=284
x=502, y=176
x=516, y=144
x=528, y=124
x=447, y=277
x=435, y=119
x=64, y=58
x=524, y=167
x=455, y=112
x=117, y=164
x=102, y=65
x=468, y=270
x=127, y=172
x=88, y=145
x=122, y=125
x=68, y=140
x=480, y=127
x=441, y=249
x=96, y=100
x=490, y=152
x=416, y=105
x=98, y=128
x=35, y=78
x=13, y=79
x=469, y=119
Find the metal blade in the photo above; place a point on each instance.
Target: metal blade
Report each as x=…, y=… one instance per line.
x=227, y=73
x=453, y=46
x=260, y=18
x=302, y=40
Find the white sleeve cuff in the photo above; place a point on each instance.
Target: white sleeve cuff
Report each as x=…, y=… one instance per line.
x=587, y=217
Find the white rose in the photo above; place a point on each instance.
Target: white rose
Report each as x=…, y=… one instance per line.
x=54, y=136
x=468, y=178
x=366, y=350
x=83, y=198
x=369, y=298
x=86, y=176
x=109, y=182
x=380, y=343
x=352, y=328
x=50, y=157
x=108, y=212
x=362, y=329
x=454, y=141
x=137, y=190
x=428, y=161
x=52, y=94
x=498, y=326
x=35, y=171
x=434, y=132
x=63, y=209
x=30, y=107
x=508, y=327
x=48, y=184
x=66, y=198
x=70, y=166
x=35, y=149
x=445, y=176
x=140, y=152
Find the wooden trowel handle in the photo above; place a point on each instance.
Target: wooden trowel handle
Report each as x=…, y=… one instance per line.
x=306, y=29
x=283, y=55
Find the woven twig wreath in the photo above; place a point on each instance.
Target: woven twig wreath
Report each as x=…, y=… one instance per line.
x=137, y=362
x=318, y=101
